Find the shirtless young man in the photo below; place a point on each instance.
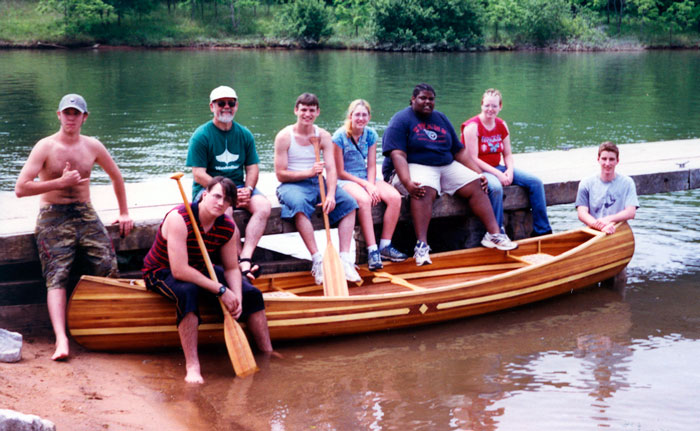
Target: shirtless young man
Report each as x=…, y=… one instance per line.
x=297, y=170
x=67, y=221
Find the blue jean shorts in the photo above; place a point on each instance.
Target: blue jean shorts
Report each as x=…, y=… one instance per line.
x=303, y=196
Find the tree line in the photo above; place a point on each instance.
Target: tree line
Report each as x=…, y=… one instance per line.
x=384, y=24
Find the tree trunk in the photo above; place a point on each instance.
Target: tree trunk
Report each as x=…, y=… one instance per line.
x=232, y=7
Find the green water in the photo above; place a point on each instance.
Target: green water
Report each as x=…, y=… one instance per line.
x=594, y=359
x=144, y=105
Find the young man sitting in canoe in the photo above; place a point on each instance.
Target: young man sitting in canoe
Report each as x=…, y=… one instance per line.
x=224, y=147
x=297, y=170
x=67, y=221
x=175, y=268
x=605, y=199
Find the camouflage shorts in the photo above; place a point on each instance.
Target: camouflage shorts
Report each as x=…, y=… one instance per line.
x=64, y=231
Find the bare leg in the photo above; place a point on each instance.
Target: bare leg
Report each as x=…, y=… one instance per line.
x=259, y=208
x=188, y=338
x=257, y=323
x=56, y=301
x=391, y=197
x=480, y=205
x=422, y=212
x=345, y=228
x=306, y=230
x=364, y=213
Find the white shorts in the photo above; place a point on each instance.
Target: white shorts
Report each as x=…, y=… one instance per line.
x=445, y=179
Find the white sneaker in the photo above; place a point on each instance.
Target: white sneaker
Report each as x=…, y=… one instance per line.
x=421, y=254
x=317, y=271
x=499, y=241
x=350, y=271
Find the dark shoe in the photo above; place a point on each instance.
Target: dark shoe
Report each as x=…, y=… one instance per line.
x=392, y=254
x=374, y=261
x=253, y=271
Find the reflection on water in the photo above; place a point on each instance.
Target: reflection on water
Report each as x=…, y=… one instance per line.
x=144, y=105
x=591, y=359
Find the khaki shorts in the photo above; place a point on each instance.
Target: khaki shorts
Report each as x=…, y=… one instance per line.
x=445, y=179
x=63, y=231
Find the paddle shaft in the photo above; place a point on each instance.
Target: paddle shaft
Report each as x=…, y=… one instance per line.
x=334, y=283
x=322, y=187
x=236, y=342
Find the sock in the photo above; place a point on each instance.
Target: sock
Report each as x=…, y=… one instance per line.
x=384, y=243
x=372, y=248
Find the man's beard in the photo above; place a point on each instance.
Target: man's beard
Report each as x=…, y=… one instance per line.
x=224, y=118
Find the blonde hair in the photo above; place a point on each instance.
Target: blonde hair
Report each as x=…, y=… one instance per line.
x=492, y=92
x=353, y=105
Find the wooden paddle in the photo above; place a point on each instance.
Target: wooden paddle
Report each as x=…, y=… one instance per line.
x=334, y=283
x=236, y=342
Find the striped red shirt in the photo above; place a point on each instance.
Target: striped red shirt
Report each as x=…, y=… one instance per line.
x=220, y=233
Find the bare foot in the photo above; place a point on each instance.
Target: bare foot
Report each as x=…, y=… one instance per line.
x=194, y=375
x=273, y=354
x=62, y=350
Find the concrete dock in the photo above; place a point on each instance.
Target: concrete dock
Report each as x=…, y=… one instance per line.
x=656, y=167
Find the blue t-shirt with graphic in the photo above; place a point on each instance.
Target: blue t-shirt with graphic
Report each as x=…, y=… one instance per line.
x=224, y=153
x=432, y=141
x=355, y=156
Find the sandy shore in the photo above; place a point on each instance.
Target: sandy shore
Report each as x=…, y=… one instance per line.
x=93, y=391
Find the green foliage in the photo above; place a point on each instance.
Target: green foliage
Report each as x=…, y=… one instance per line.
x=407, y=23
x=678, y=16
x=308, y=21
x=393, y=24
x=79, y=16
x=545, y=21
x=352, y=13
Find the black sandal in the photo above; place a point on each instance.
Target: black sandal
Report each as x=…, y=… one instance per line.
x=253, y=272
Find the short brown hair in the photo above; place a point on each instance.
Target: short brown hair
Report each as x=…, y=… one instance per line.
x=609, y=146
x=227, y=186
x=307, y=99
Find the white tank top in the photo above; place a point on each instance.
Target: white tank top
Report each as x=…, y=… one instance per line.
x=300, y=157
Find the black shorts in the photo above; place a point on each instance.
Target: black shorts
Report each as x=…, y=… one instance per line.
x=186, y=294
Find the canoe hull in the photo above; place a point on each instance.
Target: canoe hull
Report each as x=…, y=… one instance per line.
x=462, y=283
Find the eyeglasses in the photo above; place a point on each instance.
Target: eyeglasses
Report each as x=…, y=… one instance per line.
x=230, y=103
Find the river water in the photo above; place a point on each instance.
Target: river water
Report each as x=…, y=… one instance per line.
x=623, y=359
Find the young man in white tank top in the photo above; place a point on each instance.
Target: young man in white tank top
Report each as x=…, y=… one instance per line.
x=297, y=171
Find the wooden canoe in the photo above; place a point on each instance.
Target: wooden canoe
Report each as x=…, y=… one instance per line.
x=120, y=315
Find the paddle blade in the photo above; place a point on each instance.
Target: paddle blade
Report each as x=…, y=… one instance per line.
x=237, y=345
x=334, y=283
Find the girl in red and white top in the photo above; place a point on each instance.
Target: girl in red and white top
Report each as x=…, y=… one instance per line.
x=487, y=140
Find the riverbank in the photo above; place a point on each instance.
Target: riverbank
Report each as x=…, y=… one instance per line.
x=26, y=24
x=92, y=391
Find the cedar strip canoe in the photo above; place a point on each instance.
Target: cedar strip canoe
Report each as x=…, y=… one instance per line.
x=121, y=315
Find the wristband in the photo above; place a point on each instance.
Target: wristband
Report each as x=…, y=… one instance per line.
x=251, y=188
x=222, y=290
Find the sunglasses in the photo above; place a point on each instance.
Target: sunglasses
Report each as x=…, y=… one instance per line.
x=230, y=103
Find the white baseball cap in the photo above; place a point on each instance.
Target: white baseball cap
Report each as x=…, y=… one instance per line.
x=73, y=101
x=222, y=92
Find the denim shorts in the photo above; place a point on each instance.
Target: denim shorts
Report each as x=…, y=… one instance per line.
x=303, y=196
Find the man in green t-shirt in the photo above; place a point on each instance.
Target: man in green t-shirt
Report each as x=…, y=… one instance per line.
x=224, y=147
